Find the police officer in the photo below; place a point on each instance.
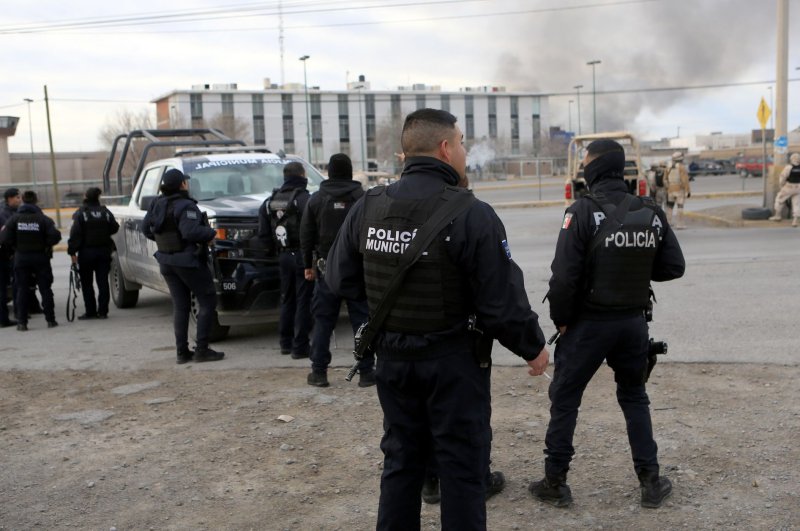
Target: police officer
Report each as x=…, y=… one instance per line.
x=790, y=189
x=324, y=215
x=90, y=246
x=279, y=228
x=182, y=236
x=434, y=394
x=611, y=246
x=678, y=189
x=11, y=201
x=32, y=235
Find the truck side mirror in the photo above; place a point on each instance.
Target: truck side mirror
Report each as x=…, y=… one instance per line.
x=146, y=200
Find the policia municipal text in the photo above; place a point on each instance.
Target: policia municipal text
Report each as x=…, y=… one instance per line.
x=432, y=385
x=611, y=246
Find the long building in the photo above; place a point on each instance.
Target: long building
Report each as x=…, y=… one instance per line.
x=361, y=122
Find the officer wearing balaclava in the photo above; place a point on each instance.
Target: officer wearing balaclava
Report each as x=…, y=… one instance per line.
x=611, y=246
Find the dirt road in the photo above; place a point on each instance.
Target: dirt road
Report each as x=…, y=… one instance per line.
x=192, y=449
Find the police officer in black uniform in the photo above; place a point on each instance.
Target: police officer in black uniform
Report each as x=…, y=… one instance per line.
x=182, y=234
x=434, y=393
x=279, y=229
x=324, y=215
x=90, y=246
x=611, y=246
x=11, y=201
x=32, y=235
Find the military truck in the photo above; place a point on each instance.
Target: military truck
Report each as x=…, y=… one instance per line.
x=635, y=175
x=230, y=181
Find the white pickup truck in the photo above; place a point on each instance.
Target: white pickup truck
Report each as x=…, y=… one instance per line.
x=230, y=181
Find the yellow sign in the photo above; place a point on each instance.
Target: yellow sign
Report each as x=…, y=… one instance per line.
x=764, y=113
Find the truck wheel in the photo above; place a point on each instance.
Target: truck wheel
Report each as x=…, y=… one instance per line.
x=756, y=213
x=217, y=333
x=122, y=297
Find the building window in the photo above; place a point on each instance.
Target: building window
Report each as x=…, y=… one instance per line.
x=196, y=108
x=369, y=103
x=286, y=105
x=227, y=105
x=420, y=101
x=492, y=117
x=316, y=118
x=344, y=128
x=537, y=134
x=469, y=105
x=316, y=105
x=446, y=102
x=344, y=109
x=515, y=125
x=259, y=135
x=395, y=103
x=288, y=129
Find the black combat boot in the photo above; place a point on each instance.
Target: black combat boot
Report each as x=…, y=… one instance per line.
x=318, y=379
x=202, y=354
x=655, y=488
x=185, y=355
x=430, y=490
x=495, y=483
x=553, y=490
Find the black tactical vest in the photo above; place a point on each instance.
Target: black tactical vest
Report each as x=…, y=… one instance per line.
x=168, y=239
x=794, y=175
x=331, y=217
x=30, y=233
x=659, y=174
x=284, y=216
x=433, y=295
x=621, y=261
x=96, y=226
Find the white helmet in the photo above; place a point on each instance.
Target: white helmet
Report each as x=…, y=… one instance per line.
x=794, y=160
x=677, y=156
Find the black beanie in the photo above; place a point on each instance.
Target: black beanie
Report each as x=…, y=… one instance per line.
x=610, y=161
x=340, y=167
x=171, y=181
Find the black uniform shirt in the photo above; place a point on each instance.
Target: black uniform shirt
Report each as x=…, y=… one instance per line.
x=76, y=240
x=8, y=234
x=568, y=283
x=266, y=233
x=314, y=221
x=476, y=243
x=191, y=226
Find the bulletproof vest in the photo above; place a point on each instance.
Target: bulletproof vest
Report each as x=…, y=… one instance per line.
x=284, y=216
x=331, y=217
x=168, y=239
x=794, y=175
x=433, y=296
x=96, y=227
x=659, y=177
x=30, y=233
x=621, y=261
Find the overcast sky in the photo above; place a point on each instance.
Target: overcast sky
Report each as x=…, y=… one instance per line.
x=93, y=72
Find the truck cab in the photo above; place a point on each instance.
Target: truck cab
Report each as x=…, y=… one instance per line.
x=635, y=176
x=230, y=181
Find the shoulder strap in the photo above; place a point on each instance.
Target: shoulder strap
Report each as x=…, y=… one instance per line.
x=613, y=219
x=456, y=202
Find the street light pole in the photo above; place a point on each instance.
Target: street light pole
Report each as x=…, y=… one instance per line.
x=33, y=158
x=772, y=110
x=578, y=89
x=593, y=64
x=308, y=112
x=569, y=113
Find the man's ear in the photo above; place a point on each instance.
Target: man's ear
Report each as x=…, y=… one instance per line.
x=444, y=150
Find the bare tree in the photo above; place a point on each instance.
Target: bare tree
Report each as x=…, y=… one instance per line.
x=387, y=143
x=122, y=122
x=232, y=126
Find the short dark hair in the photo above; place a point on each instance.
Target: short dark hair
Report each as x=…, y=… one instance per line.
x=425, y=129
x=294, y=169
x=93, y=194
x=30, y=197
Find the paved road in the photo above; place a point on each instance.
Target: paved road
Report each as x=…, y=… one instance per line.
x=737, y=303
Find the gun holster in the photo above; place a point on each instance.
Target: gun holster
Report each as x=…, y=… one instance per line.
x=481, y=343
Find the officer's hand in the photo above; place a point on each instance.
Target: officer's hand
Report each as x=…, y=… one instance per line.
x=539, y=363
x=688, y=195
x=74, y=258
x=309, y=273
x=562, y=330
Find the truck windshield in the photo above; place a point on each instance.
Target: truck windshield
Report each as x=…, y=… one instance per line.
x=212, y=178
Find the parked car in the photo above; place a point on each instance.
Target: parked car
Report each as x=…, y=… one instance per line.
x=754, y=166
x=705, y=167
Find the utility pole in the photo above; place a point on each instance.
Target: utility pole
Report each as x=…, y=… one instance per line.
x=593, y=64
x=569, y=113
x=308, y=112
x=578, y=89
x=780, y=143
x=52, y=160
